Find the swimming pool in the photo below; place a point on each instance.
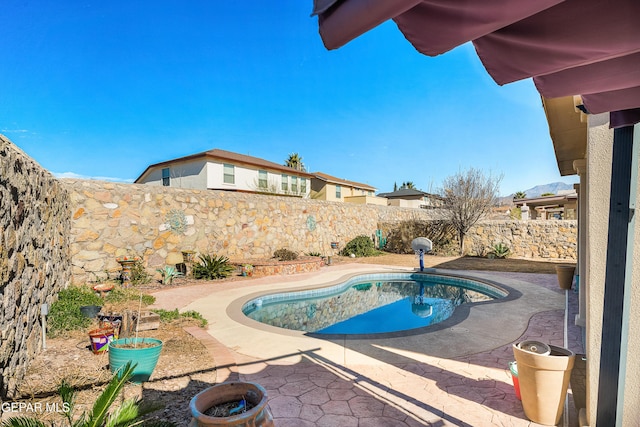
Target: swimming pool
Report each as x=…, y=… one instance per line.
x=371, y=303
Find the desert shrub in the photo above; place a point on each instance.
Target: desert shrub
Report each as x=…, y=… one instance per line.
x=314, y=254
x=500, y=250
x=285, y=255
x=171, y=315
x=212, y=267
x=361, y=246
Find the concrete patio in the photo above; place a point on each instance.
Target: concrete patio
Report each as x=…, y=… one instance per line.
x=451, y=374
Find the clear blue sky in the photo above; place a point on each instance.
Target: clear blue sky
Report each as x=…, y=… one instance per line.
x=103, y=89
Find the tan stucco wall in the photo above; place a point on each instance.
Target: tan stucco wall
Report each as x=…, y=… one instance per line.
x=366, y=200
x=599, y=157
x=632, y=384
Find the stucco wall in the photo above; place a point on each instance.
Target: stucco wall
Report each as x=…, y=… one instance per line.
x=34, y=257
x=110, y=219
x=599, y=158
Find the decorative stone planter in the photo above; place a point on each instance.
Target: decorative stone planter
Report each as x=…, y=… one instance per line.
x=272, y=267
x=259, y=415
x=127, y=264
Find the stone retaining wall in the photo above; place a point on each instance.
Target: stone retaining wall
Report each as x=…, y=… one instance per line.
x=34, y=257
x=157, y=223
x=526, y=239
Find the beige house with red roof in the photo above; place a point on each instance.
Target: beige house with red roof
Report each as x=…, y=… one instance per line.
x=330, y=188
x=224, y=170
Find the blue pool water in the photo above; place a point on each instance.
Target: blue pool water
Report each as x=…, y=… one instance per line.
x=372, y=303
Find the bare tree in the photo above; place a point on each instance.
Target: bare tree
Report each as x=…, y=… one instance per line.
x=468, y=196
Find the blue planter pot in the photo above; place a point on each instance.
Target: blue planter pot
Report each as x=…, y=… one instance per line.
x=145, y=355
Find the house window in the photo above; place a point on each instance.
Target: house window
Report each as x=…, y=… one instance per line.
x=370, y=193
x=229, y=174
x=285, y=182
x=166, y=177
x=338, y=192
x=303, y=186
x=294, y=184
x=262, y=179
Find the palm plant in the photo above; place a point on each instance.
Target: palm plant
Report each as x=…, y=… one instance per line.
x=408, y=185
x=519, y=195
x=295, y=161
x=212, y=267
x=128, y=414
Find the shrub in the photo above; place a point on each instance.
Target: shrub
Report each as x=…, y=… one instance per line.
x=171, y=315
x=285, y=255
x=314, y=254
x=361, y=246
x=212, y=267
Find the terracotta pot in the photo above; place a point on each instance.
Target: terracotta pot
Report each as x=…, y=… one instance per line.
x=565, y=275
x=543, y=379
x=258, y=416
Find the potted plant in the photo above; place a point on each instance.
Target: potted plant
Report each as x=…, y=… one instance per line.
x=231, y=404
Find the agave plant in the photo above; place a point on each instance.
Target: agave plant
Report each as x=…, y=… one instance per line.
x=168, y=273
x=128, y=414
x=500, y=250
x=212, y=267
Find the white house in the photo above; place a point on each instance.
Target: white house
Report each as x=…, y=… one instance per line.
x=224, y=170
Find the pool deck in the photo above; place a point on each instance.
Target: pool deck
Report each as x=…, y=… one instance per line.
x=451, y=374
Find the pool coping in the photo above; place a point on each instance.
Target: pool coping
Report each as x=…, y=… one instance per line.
x=235, y=308
x=474, y=329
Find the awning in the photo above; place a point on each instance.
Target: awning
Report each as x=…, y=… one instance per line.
x=570, y=47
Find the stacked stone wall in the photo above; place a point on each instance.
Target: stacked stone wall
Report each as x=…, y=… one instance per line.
x=550, y=239
x=157, y=223
x=34, y=257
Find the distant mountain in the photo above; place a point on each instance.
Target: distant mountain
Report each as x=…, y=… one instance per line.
x=539, y=190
